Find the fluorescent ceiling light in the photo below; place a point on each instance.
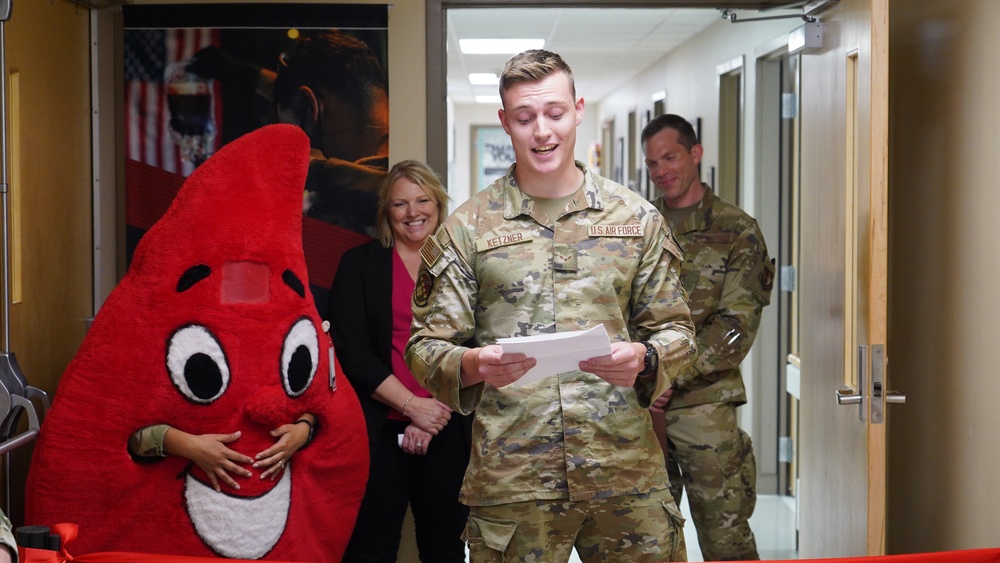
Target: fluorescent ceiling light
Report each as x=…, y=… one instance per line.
x=487, y=78
x=488, y=99
x=657, y=96
x=498, y=46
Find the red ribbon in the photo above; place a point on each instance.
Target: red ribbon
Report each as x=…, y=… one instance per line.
x=68, y=533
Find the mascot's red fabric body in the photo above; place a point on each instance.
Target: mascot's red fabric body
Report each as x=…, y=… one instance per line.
x=213, y=330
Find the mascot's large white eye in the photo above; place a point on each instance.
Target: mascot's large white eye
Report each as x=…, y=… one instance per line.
x=197, y=364
x=299, y=357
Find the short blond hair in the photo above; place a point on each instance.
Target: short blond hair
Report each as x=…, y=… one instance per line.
x=532, y=66
x=421, y=175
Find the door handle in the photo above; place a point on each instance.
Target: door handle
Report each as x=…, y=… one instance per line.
x=848, y=396
x=869, y=395
x=891, y=397
x=895, y=398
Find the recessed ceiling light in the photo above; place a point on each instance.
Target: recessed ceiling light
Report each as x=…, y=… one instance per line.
x=498, y=46
x=488, y=99
x=487, y=78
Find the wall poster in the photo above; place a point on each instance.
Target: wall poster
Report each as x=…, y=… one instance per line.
x=199, y=76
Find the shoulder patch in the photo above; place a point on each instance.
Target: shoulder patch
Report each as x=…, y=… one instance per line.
x=767, y=277
x=424, y=287
x=761, y=279
x=431, y=251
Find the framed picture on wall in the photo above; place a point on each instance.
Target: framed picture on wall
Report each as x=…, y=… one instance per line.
x=183, y=101
x=492, y=155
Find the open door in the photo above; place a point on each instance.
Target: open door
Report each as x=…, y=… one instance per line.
x=844, y=214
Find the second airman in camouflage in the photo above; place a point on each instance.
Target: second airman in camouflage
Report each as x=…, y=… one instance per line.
x=728, y=277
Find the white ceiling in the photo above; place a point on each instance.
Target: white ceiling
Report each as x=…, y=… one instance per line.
x=605, y=47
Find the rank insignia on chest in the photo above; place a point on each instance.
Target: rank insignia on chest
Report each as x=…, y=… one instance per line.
x=423, y=288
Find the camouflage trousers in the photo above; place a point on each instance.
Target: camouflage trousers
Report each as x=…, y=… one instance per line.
x=627, y=529
x=712, y=458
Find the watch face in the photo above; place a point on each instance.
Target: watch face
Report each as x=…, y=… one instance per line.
x=652, y=358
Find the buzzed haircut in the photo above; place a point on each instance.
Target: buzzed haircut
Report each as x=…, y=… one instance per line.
x=531, y=66
x=685, y=132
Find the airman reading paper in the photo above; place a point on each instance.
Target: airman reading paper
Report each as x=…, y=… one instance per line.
x=559, y=352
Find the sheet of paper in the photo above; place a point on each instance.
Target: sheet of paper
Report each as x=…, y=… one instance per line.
x=558, y=353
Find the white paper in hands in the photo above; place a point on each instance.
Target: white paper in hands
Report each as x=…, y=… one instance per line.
x=557, y=353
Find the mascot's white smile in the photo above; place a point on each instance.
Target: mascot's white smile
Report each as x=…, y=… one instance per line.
x=235, y=527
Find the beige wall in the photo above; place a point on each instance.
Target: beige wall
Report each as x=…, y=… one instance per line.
x=944, y=444
x=47, y=48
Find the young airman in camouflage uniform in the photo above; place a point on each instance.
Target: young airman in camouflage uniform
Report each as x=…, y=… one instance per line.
x=728, y=276
x=571, y=460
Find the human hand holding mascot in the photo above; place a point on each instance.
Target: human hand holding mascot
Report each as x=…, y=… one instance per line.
x=212, y=331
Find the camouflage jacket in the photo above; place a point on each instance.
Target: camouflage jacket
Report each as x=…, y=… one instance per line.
x=7, y=536
x=728, y=277
x=498, y=267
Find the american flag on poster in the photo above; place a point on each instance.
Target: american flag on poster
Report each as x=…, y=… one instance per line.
x=149, y=53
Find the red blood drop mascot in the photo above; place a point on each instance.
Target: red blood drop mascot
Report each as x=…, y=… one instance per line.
x=212, y=330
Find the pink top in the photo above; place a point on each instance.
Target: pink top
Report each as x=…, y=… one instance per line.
x=402, y=316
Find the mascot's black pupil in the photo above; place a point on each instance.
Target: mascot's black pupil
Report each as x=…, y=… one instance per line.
x=203, y=376
x=299, y=368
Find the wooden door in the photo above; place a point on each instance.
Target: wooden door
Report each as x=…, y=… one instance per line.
x=843, y=282
x=50, y=194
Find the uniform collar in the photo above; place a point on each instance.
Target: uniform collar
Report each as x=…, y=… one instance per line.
x=701, y=218
x=516, y=202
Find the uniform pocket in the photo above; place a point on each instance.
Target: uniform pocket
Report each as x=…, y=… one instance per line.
x=678, y=550
x=489, y=539
x=675, y=515
x=733, y=452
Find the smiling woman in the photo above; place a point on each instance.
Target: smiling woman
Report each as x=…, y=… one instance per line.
x=419, y=447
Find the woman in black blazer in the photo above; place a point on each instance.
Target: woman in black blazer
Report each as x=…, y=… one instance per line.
x=419, y=448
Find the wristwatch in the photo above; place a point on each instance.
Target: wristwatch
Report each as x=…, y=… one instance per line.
x=652, y=360
x=312, y=429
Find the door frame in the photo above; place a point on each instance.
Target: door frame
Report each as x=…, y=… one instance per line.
x=878, y=283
